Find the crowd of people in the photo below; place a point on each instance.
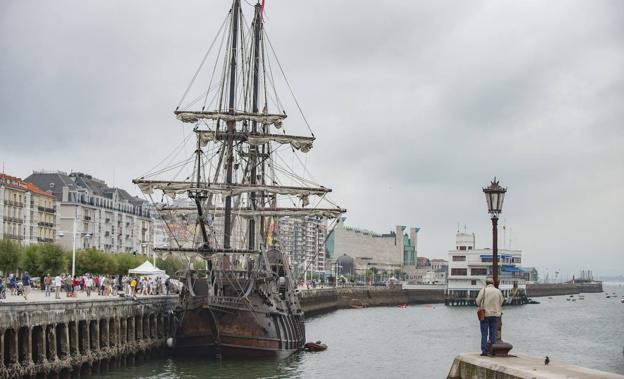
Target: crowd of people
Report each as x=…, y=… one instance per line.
x=103, y=285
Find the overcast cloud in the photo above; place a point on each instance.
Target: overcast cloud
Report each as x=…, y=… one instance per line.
x=416, y=105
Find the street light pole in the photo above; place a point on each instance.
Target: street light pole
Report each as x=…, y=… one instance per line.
x=495, y=195
x=74, y=248
x=495, y=249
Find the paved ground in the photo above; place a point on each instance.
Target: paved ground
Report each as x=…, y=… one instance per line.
x=39, y=296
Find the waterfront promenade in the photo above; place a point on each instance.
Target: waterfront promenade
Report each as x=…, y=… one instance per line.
x=38, y=296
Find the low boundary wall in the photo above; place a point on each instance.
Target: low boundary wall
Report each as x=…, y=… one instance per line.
x=317, y=301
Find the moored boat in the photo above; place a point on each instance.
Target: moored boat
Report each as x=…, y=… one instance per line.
x=240, y=294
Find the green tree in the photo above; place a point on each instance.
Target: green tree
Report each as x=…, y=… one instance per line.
x=29, y=260
x=173, y=264
x=95, y=262
x=52, y=259
x=9, y=256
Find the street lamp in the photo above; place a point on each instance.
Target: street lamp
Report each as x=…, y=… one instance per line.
x=495, y=195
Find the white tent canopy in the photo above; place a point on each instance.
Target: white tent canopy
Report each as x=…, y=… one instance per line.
x=147, y=269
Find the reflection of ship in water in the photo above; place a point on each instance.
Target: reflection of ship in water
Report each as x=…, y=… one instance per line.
x=222, y=203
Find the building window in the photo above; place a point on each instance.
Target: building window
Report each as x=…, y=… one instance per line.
x=473, y=282
x=517, y=260
x=459, y=271
x=462, y=248
x=478, y=271
x=459, y=258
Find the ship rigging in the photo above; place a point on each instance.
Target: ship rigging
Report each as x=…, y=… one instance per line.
x=237, y=186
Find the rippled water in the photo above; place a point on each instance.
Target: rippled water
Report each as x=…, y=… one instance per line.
x=421, y=342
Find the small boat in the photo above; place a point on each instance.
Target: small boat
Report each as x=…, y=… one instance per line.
x=568, y=299
x=357, y=304
x=550, y=297
x=402, y=306
x=608, y=297
x=314, y=346
x=622, y=300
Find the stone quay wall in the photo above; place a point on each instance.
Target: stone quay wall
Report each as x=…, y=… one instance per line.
x=557, y=289
x=317, y=301
x=62, y=338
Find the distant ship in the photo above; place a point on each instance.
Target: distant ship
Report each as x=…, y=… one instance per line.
x=226, y=210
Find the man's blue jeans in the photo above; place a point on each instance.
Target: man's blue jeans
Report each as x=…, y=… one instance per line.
x=489, y=324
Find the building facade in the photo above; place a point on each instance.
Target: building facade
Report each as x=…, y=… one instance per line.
x=304, y=241
x=391, y=252
x=27, y=213
x=93, y=215
x=468, y=268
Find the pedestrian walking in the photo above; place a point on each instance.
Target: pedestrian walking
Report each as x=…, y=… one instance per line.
x=25, y=285
x=133, y=286
x=490, y=299
x=13, y=283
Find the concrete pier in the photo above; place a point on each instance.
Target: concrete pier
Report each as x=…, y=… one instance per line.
x=474, y=366
x=63, y=338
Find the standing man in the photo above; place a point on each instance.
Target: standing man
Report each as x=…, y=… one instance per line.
x=491, y=300
x=58, y=282
x=88, y=285
x=48, y=284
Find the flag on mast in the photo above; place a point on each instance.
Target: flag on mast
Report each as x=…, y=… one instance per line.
x=262, y=10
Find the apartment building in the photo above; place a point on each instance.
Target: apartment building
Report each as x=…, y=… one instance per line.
x=101, y=217
x=27, y=213
x=304, y=241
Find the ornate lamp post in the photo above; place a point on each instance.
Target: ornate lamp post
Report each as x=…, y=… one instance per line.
x=495, y=194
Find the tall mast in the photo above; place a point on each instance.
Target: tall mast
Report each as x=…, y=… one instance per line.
x=199, y=196
x=253, y=150
x=231, y=125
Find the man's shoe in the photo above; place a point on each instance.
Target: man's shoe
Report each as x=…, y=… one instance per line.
x=484, y=354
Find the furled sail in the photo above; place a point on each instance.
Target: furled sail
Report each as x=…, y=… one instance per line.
x=268, y=212
x=172, y=188
x=298, y=142
x=263, y=118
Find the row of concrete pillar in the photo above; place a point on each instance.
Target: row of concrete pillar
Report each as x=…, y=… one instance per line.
x=40, y=348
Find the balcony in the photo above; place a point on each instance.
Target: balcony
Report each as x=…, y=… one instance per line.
x=47, y=210
x=46, y=224
x=15, y=220
x=12, y=203
x=45, y=240
x=9, y=236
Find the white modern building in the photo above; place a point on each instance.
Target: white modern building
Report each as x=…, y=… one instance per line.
x=468, y=268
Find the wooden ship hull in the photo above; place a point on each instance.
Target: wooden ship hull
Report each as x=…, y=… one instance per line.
x=232, y=331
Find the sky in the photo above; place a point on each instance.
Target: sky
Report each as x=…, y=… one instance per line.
x=416, y=105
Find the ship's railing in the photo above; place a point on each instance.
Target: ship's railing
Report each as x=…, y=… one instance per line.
x=227, y=300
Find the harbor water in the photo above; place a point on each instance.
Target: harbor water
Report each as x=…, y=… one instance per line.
x=420, y=341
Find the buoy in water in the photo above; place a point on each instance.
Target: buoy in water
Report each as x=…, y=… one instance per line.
x=314, y=346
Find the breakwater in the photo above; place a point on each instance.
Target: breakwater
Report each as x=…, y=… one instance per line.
x=65, y=338
x=558, y=289
x=317, y=301
x=519, y=366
